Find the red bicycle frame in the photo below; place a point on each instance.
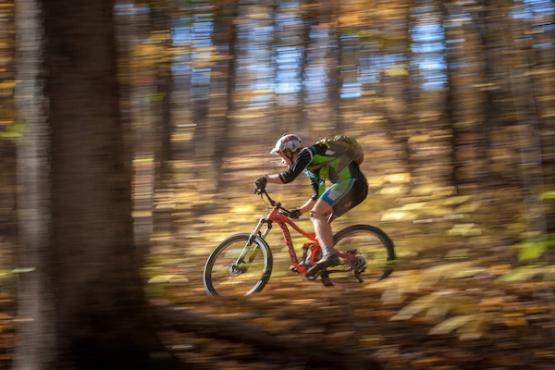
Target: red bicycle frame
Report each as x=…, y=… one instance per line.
x=283, y=220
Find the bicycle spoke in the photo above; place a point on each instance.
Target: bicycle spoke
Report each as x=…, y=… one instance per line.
x=237, y=268
x=368, y=255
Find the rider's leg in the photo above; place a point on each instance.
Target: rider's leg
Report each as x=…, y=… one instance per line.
x=319, y=215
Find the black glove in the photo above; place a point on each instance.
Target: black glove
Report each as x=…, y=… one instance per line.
x=295, y=213
x=260, y=184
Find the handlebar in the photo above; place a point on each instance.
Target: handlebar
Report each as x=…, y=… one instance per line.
x=273, y=203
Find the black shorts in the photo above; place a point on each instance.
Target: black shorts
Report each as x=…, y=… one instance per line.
x=352, y=194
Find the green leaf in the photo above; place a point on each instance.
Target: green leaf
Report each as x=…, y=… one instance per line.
x=13, y=132
x=534, y=249
x=521, y=273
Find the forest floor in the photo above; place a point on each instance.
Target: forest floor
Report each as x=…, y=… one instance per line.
x=459, y=297
x=440, y=315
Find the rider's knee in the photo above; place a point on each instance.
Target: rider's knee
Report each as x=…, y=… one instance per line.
x=318, y=215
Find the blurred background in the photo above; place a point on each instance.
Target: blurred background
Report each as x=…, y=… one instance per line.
x=453, y=103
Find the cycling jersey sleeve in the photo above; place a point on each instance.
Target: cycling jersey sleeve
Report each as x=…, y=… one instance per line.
x=303, y=159
x=317, y=187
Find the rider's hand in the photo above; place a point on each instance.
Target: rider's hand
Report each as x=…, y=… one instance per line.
x=260, y=184
x=295, y=213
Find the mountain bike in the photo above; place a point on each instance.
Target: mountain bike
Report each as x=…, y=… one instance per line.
x=242, y=263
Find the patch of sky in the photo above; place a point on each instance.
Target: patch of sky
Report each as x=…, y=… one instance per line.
x=201, y=76
x=181, y=35
x=539, y=7
x=350, y=90
x=427, y=32
x=431, y=64
x=461, y=18
x=428, y=47
x=434, y=84
x=129, y=9
x=368, y=71
x=544, y=45
x=315, y=83
x=455, y=41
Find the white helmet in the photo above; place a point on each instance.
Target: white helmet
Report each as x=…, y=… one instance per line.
x=290, y=142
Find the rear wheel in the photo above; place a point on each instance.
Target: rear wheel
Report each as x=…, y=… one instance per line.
x=372, y=251
x=240, y=265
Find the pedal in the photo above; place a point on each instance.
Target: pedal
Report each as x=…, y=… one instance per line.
x=292, y=268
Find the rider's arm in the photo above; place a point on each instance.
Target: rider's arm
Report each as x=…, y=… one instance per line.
x=307, y=206
x=275, y=178
x=292, y=172
x=303, y=159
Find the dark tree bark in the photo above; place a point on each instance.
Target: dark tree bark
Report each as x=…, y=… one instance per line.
x=37, y=335
x=450, y=94
x=308, y=19
x=335, y=73
x=400, y=117
x=90, y=311
x=162, y=23
x=222, y=99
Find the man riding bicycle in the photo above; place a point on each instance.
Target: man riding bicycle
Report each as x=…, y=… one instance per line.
x=320, y=162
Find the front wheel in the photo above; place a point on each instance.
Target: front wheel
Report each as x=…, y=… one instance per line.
x=372, y=252
x=240, y=265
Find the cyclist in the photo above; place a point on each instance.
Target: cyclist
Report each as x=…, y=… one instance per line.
x=349, y=188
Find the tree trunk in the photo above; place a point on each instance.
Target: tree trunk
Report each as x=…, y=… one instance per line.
x=303, y=123
x=37, y=336
x=451, y=89
x=91, y=312
x=222, y=97
x=336, y=78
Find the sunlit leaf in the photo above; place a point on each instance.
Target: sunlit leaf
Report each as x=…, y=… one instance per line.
x=21, y=270
x=417, y=306
x=451, y=324
x=159, y=279
x=534, y=249
x=520, y=274
x=465, y=230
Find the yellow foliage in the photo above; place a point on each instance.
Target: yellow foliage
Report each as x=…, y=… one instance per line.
x=465, y=230
x=393, y=190
x=399, y=178
x=6, y=85
x=469, y=207
x=397, y=216
x=395, y=72
x=244, y=209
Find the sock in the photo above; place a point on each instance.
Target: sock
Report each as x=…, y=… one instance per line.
x=326, y=252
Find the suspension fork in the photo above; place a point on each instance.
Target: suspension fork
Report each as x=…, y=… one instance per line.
x=248, y=245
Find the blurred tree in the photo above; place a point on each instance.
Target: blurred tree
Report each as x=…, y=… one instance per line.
x=10, y=131
x=330, y=15
x=84, y=299
x=308, y=20
x=222, y=94
x=450, y=90
x=398, y=89
x=161, y=20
